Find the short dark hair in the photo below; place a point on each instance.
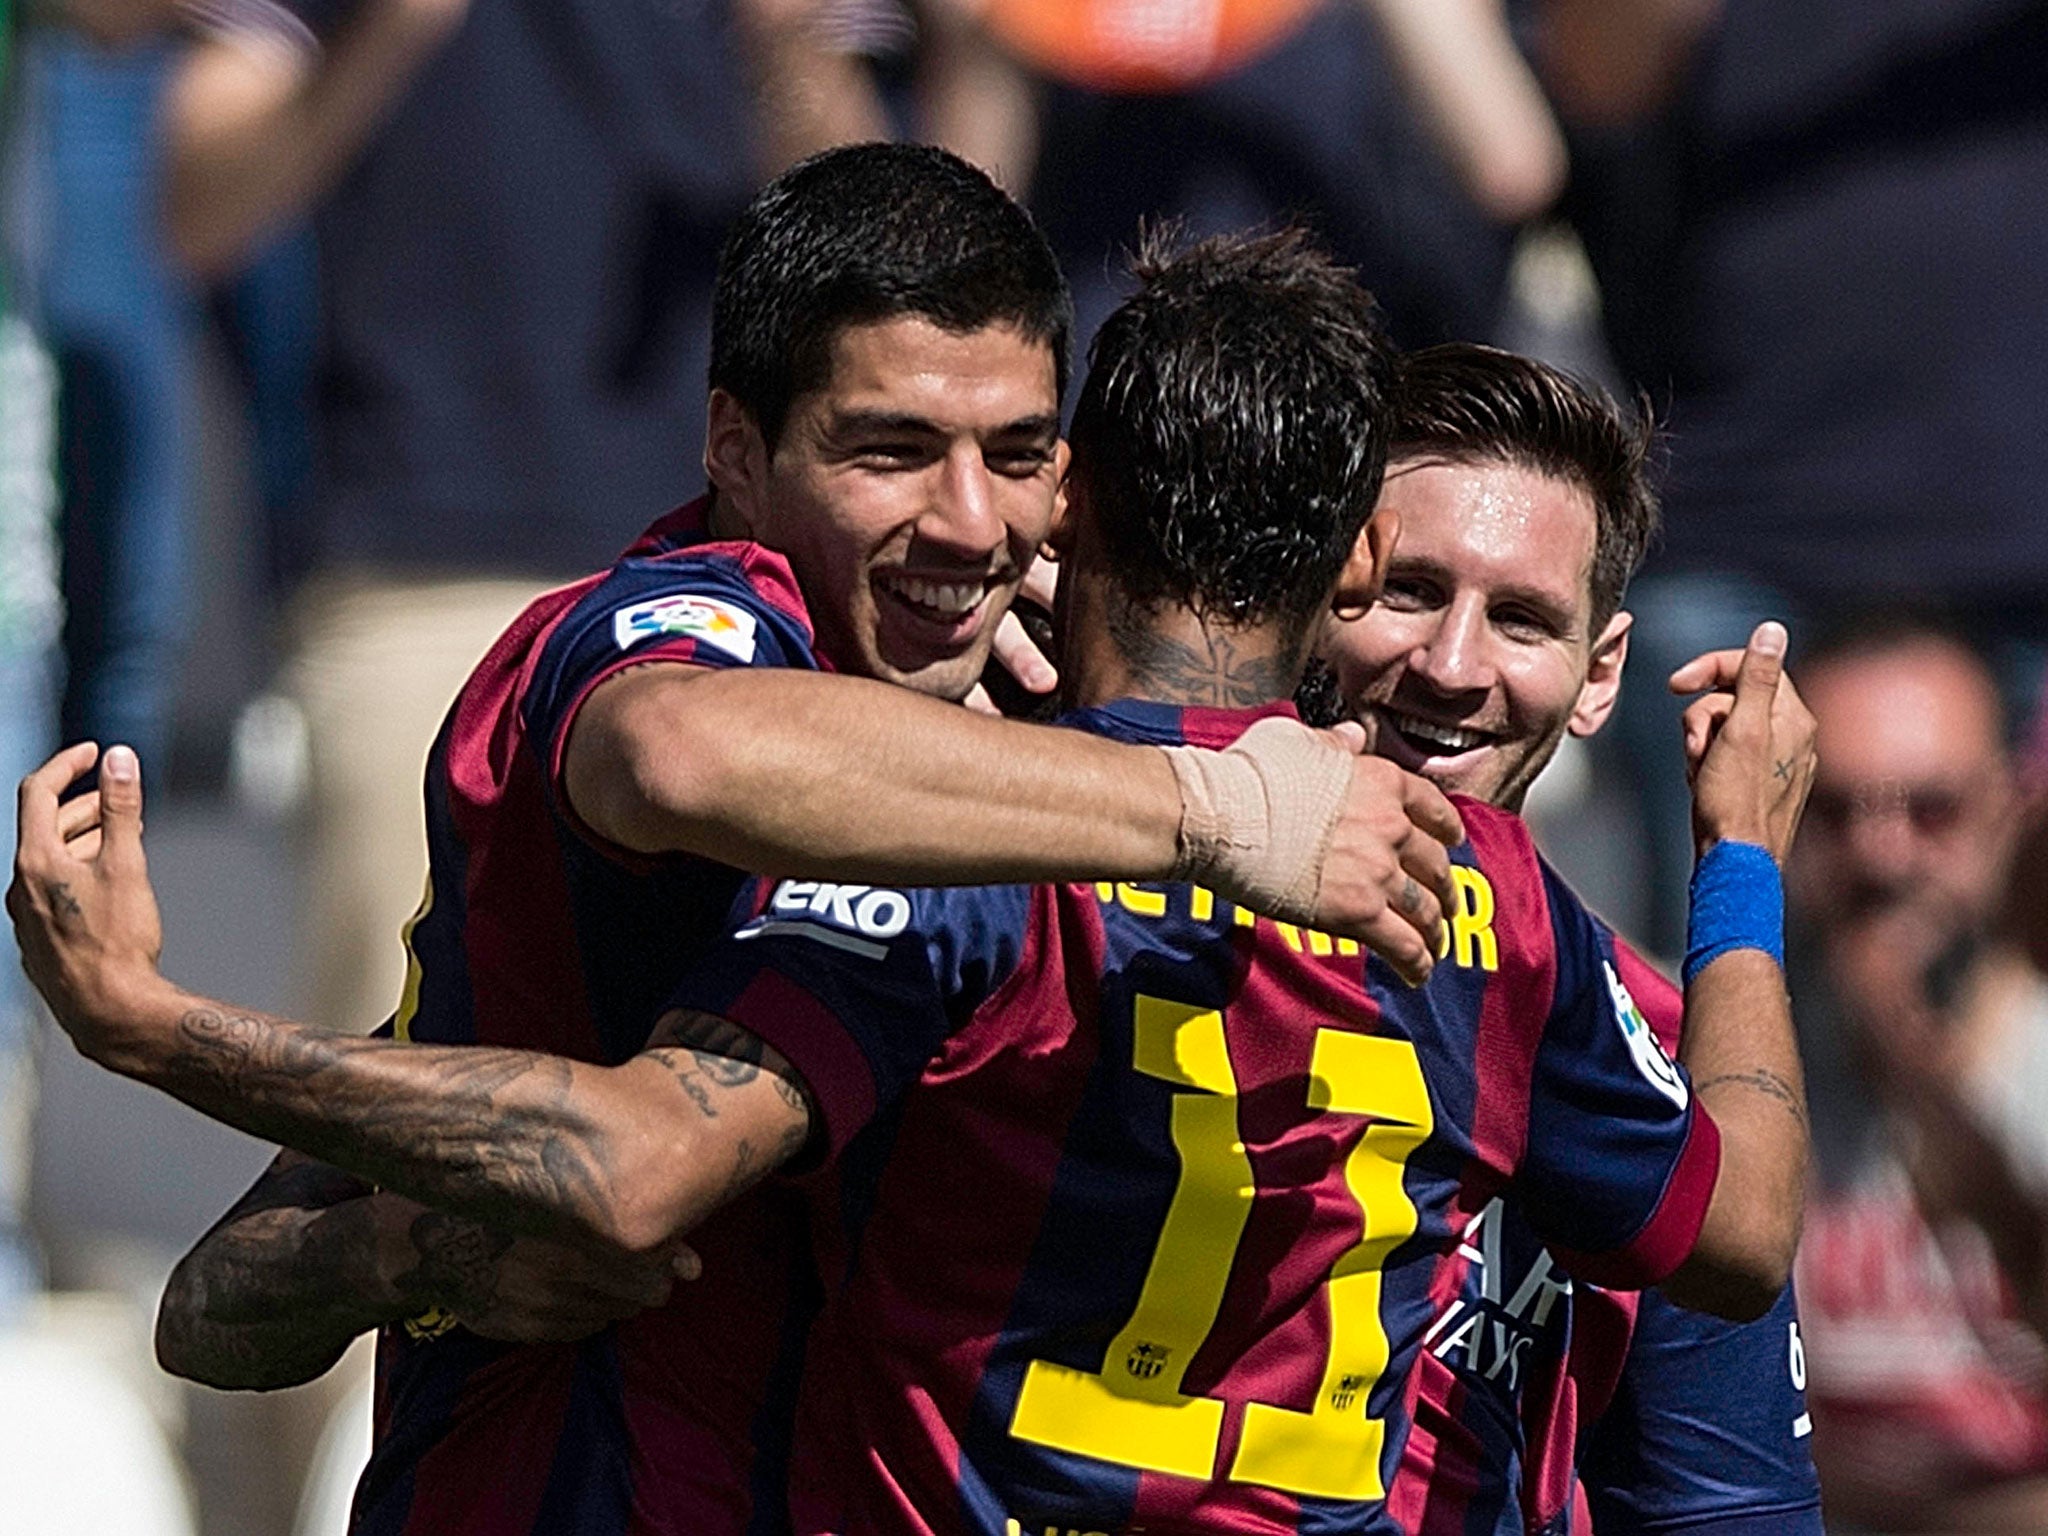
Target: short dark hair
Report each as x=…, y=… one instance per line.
x=1464, y=402
x=1232, y=430
x=863, y=233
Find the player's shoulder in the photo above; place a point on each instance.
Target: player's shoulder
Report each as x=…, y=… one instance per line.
x=677, y=578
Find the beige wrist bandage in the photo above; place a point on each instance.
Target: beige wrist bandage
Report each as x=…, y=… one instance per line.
x=1256, y=818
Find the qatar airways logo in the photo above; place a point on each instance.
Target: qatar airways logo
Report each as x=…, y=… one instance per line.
x=860, y=919
x=1490, y=1335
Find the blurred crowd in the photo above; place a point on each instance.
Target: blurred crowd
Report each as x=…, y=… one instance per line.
x=445, y=267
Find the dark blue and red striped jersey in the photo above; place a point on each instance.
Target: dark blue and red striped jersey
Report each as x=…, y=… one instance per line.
x=535, y=934
x=1529, y=1382
x=1136, y=1209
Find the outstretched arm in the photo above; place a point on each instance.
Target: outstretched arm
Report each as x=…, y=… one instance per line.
x=311, y=1257
x=1750, y=745
x=625, y=1157
x=798, y=774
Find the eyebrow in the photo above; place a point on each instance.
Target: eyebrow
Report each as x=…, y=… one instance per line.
x=1043, y=426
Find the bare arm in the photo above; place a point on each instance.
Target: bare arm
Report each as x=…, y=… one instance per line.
x=809, y=94
x=274, y=1292
x=1752, y=754
x=257, y=129
x=797, y=774
x=1479, y=99
x=974, y=97
x=311, y=1257
x=626, y=1158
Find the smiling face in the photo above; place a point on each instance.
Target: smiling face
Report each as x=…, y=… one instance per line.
x=1478, y=656
x=909, y=493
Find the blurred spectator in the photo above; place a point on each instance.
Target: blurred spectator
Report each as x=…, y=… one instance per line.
x=1409, y=132
x=518, y=205
x=1819, y=228
x=1923, y=1276
x=122, y=325
x=28, y=630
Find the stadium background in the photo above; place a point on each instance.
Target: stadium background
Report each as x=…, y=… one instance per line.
x=1812, y=230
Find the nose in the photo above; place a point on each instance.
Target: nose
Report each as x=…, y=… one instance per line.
x=1880, y=843
x=1453, y=657
x=961, y=515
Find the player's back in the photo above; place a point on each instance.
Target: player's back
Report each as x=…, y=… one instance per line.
x=1139, y=1205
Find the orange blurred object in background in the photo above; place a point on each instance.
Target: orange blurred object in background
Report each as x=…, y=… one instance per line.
x=1142, y=45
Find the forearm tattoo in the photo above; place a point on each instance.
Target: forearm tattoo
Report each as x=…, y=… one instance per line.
x=498, y=1136
x=275, y=1292
x=489, y=1131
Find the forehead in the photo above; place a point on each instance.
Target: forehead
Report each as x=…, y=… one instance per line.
x=908, y=363
x=1490, y=523
x=1916, y=713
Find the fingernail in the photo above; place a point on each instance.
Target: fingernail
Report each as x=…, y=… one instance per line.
x=1769, y=639
x=119, y=764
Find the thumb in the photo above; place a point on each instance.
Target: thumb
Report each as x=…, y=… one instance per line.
x=1349, y=735
x=121, y=808
x=1756, y=685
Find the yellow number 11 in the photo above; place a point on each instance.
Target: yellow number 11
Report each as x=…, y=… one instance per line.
x=1133, y=1411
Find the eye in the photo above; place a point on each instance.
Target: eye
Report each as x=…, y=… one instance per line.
x=1019, y=463
x=1525, y=624
x=1410, y=593
x=892, y=454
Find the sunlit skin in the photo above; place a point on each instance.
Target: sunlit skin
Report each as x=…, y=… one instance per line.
x=1479, y=656
x=909, y=494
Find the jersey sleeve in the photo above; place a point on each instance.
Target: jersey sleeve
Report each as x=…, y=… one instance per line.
x=1621, y=1160
x=716, y=605
x=858, y=986
x=1708, y=1431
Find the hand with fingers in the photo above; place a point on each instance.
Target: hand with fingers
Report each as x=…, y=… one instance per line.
x=1749, y=745
x=1019, y=656
x=85, y=916
x=528, y=1290
x=1388, y=867
x=1300, y=825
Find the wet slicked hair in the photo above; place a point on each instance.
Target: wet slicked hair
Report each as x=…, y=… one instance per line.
x=869, y=232
x=1468, y=403
x=1232, y=430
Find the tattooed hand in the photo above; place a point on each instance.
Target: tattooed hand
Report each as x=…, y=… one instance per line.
x=84, y=914
x=1749, y=744
x=528, y=1290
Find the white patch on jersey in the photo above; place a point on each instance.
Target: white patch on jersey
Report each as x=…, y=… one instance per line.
x=707, y=619
x=1649, y=1056
x=860, y=919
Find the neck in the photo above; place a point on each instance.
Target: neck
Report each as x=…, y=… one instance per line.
x=1174, y=656
x=719, y=518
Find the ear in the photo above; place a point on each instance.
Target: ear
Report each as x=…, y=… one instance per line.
x=736, y=459
x=1358, y=585
x=1069, y=507
x=1603, y=677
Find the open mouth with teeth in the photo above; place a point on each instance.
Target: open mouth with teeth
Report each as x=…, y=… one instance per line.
x=1433, y=738
x=950, y=611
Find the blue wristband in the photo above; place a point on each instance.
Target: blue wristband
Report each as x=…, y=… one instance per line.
x=1738, y=902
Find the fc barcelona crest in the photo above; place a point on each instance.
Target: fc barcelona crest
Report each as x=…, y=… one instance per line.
x=1146, y=1360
